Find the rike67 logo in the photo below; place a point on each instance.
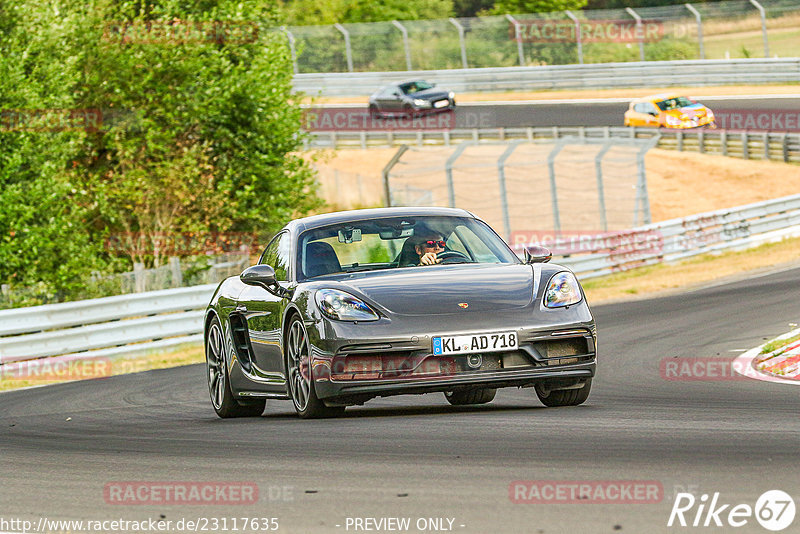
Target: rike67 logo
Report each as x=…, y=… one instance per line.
x=774, y=510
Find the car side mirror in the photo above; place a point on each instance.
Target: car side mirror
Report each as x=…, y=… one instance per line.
x=537, y=254
x=260, y=276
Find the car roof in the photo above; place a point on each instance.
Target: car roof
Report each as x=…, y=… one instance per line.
x=315, y=221
x=656, y=98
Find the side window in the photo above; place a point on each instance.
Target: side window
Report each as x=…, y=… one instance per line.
x=639, y=108
x=278, y=256
x=464, y=240
x=651, y=108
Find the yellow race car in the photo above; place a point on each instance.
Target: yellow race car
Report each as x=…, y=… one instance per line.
x=669, y=111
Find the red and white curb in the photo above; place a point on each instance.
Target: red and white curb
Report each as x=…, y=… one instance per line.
x=780, y=366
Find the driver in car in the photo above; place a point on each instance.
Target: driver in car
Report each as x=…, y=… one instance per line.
x=427, y=247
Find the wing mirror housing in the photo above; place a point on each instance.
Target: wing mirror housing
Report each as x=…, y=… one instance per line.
x=537, y=254
x=263, y=276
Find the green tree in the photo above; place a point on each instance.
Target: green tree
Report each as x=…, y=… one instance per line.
x=321, y=12
x=198, y=134
x=512, y=7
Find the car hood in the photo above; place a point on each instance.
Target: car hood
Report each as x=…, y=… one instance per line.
x=430, y=94
x=443, y=289
x=695, y=110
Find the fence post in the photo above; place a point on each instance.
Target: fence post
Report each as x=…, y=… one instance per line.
x=139, y=275
x=347, y=49
x=766, y=146
x=598, y=170
x=763, y=25
x=699, y=20
x=679, y=137
x=292, y=48
x=518, y=39
x=448, y=170
x=638, y=19
x=642, y=196
x=578, y=36
x=177, y=274
x=785, y=146
x=551, y=168
x=745, y=147
x=501, y=177
x=5, y=289
x=405, y=42
x=723, y=140
x=701, y=142
x=387, y=192
x=460, y=29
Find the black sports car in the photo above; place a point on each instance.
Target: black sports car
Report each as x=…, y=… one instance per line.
x=416, y=97
x=349, y=306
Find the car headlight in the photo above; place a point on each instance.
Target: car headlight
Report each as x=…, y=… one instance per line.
x=421, y=103
x=563, y=290
x=673, y=121
x=342, y=306
x=451, y=95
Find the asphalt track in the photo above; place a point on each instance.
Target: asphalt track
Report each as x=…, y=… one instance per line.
x=598, y=113
x=416, y=456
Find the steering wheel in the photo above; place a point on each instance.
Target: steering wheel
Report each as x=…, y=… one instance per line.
x=452, y=256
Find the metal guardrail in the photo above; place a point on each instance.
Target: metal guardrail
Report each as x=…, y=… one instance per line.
x=640, y=74
x=775, y=146
x=677, y=239
x=139, y=322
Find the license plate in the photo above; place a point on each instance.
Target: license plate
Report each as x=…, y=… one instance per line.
x=492, y=342
x=441, y=103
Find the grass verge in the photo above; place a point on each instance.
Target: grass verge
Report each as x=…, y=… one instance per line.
x=693, y=273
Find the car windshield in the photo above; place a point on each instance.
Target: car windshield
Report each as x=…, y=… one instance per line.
x=392, y=243
x=415, y=87
x=674, y=103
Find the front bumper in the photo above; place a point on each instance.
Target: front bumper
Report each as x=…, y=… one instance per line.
x=352, y=371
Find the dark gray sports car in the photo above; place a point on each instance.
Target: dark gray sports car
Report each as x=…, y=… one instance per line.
x=349, y=306
x=415, y=97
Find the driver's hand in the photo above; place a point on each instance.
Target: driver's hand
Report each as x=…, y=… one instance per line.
x=429, y=258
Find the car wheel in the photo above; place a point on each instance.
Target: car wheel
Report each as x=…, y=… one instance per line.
x=299, y=375
x=218, y=382
x=470, y=396
x=564, y=397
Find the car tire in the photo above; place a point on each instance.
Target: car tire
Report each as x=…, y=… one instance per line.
x=564, y=397
x=299, y=375
x=219, y=387
x=470, y=396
